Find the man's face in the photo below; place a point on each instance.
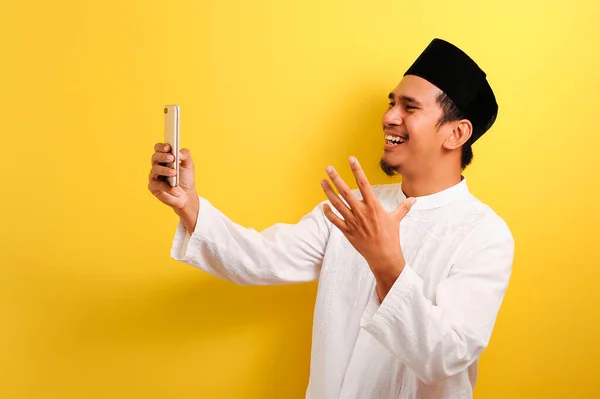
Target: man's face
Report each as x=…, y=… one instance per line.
x=413, y=141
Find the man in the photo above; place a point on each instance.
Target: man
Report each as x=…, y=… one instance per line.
x=411, y=275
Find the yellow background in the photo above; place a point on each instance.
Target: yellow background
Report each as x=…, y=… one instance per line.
x=271, y=92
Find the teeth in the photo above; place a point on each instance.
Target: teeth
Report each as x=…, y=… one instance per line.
x=394, y=139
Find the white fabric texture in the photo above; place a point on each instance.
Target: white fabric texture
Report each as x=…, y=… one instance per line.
x=424, y=340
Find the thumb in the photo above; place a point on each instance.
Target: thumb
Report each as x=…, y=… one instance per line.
x=185, y=156
x=404, y=207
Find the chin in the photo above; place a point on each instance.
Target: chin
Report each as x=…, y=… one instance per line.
x=390, y=165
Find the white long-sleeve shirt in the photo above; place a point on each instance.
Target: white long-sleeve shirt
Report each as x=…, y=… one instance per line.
x=423, y=341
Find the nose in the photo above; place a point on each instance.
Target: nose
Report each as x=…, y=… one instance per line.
x=392, y=117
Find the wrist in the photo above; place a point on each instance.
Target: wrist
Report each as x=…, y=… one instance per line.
x=386, y=272
x=189, y=212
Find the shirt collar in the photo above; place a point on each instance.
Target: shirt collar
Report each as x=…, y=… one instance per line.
x=439, y=199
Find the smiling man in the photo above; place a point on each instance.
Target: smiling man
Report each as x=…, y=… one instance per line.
x=411, y=275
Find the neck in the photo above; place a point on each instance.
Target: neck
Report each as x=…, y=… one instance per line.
x=439, y=179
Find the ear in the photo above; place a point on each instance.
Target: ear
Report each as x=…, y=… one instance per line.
x=461, y=132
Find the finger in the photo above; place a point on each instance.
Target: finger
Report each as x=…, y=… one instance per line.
x=163, y=191
x=336, y=201
x=342, y=187
x=159, y=170
x=363, y=183
x=185, y=156
x=159, y=157
x=333, y=218
x=404, y=207
x=162, y=147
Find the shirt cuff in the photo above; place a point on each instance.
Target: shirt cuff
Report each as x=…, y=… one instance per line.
x=372, y=306
x=377, y=313
x=179, y=246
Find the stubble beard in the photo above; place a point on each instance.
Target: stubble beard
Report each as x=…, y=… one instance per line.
x=387, y=168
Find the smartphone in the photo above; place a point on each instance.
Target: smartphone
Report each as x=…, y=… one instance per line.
x=172, y=138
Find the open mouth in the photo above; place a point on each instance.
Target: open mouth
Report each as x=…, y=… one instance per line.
x=394, y=140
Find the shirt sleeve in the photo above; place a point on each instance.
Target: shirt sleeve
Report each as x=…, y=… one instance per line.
x=442, y=338
x=282, y=253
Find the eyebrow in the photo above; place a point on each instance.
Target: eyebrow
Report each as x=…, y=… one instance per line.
x=406, y=99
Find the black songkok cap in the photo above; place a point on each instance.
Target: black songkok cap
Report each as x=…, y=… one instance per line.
x=456, y=74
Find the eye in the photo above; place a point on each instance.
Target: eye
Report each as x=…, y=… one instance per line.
x=391, y=104
x=409, y=107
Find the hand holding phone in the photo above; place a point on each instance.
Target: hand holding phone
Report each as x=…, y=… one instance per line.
x=171, y=178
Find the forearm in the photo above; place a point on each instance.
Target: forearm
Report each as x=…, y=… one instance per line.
x=423, y=336
x=282, y=253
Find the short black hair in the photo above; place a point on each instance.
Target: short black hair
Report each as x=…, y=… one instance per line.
x=451, y=113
